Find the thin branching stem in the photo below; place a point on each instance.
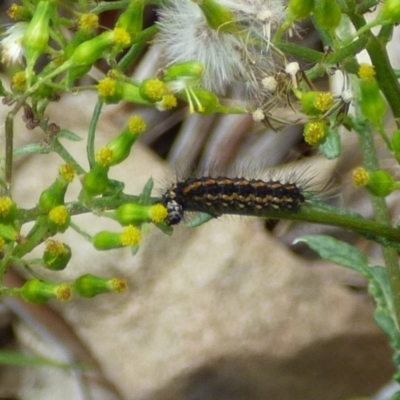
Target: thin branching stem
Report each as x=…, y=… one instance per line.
x=371, y=161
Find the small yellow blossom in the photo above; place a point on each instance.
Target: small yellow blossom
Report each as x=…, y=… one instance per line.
x=136, y=124
x=56, y=255
x=158, y=213
x=15, y=11
x=366, y=71
x=168, y=101
x=104, y=156
x=121, y=37
x=118, y=285
x=55, y=247
x=89, y=22
x=67, y=171
x=106, y=87
x=5, y=206
x=19, y=81
x=59, y=215
x=63, y=292
x=323, y=101
x=153, y=89
x=131, y=236
x=360, y=177
x=314, y=132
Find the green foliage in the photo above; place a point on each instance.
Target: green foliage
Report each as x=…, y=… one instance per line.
x=379, y=287
x=71, y=43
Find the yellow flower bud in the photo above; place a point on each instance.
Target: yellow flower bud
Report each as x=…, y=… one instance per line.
x=67, y=172
x=122, y=144
x=59, y=218
x=315, y=132
x=316, y=103
x=90, y=285
x=360, y=177
x=19, y=82
x=36, y=37
x=104, y=156
x=372, y=104
x=132, y=213
x=36, y=291
x=8, y=210
x=132, y=18
x=89, y=22
x=131, y=236
x=153, y=89
x=57, y=255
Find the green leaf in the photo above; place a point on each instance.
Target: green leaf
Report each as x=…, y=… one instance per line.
x=199, y=219
x=65, y=133
x=380, y=276
x=385, y=314
x=338, y=252
x=385, y=322
x=396, y=396
x=134, y=250
x=145, y=196
x=37, y=148
x=331, y=148
x=114, y=187
x=165, y=228
x=14, y=358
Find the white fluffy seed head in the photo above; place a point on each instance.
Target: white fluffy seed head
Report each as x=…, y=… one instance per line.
x=11, y=44
x=347, y=95
x=269, y=83
x=292, y=68
x=239, y=58
x=258, y=115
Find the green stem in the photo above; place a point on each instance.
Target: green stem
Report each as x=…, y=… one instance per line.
x=9, y=126
x=81, y=232
x=107, y=6
x=347, y=51
x=5, y=260
x=386, y=33
x=371, y=162
x=136, y=48
x=66, y=156
x=92, y=132
x=321, y=59
x=308, y=213
x=77, y=208
x=385, y=75
x=299, y=51
x=33, y=239
x=366, y=6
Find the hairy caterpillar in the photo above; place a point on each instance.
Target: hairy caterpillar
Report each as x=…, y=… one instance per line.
x=218, y=195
